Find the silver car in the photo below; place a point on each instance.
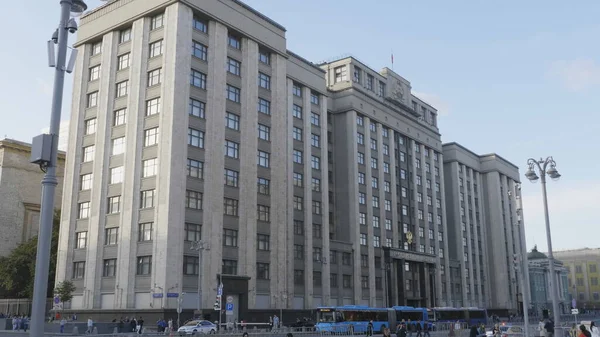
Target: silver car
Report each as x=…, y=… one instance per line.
x=197, y=327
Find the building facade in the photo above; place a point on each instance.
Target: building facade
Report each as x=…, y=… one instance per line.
x=21, y=193
x=485, y=229
x=539, y=276
x=583, y=275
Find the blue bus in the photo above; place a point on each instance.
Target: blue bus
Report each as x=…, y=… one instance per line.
x=355, y=318
x=471, y=316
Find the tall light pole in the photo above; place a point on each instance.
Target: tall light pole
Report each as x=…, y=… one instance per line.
x=45, y=152
x=545, y=168
x=200, y=246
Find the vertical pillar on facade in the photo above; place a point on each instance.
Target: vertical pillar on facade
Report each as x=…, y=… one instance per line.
x=478, y=243
x=436, y=179
x=508, y=229
x=308, y=200
x=370, y=212
x=445, y=228
x=326, y=270
x=282, y=202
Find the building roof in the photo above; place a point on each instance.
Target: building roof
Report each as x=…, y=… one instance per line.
x=536, y=255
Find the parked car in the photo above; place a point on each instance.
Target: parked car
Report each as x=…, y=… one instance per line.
x=197, y=327
x=508, y=331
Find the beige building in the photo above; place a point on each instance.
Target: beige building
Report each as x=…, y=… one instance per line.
x=583, y=269
x=21, y=193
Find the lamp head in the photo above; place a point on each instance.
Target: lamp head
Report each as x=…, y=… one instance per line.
x=553, y=173
x=531, y=175
x=78, y=7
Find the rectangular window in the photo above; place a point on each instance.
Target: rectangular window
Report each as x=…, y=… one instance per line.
x=199, y=50
x=111, y=236
x=314, y=98
x=151, y=137
x=298, y=203
x=315, y=119
x=317, y=254
x=230, y=238
x=122, y=89
x=109, y=268
x=144, y=265
x=315, y=162
x=297, y=90
x=115, y=175
x=234, y=66
x=263, y=159
x=193, y=199
x=156, y=48
x=193, y=232
x=231, y=207
x=264, y=186
x=83, y=210
x=149, y=167
x=341, y=74
x=78, y=270
x=316, y=207
x=198, y=79
x=299, y=252
x=298, y=179
x=80, y=240
x=361, y=158
x=315, y=140
x=316, y=184
x=119, y=117
x=96, y=48
x=234, y=42
x=374, y=163
x=94, y=73
x=145, y=232
x=153, y=106
x=363, y=239
x=297, y=134
x=92, y=99
x=125, y=35
x=232, y=149
x=232, y=121
x=113, y=205
x=317, y=231
x=230, y=267
x=264, y=57
x=264, y=81
x=233, y=94
x=381, y=89
x=298, y=277
x=231, y=178
x=123, y=61
x=190, y=265
x=298, y=227
x=264, y=106
x=264, y=132
x=262, y=271
x=200, y=25
x=195, y=138
x=197, y=108
x=85, y=182
x=157, y=21
x=297, y=111
x=263, y=213
x=147, y=199
x=263, y=242
x=195, y=168
x=88, y=153
x=154, y=77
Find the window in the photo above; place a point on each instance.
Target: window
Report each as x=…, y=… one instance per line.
x=362, y=219
x=193, y=199
x=109, y=268
x=297, y=90
x=298, y=252
x=373, y=163
x=151, y=137
x=96, y=48
x=116, y=175
x=316, y=207
x=264, y=106
x=193, y=232
x=144, y=265
x=149, y=167
x=375, y=221
x=230, y=207
x=315, y=162
x=315, y=119
x=363, y=239
x=111, y=236
x=195, y=168
x=362, y=198
x=361, y=178
x=373, y=144
x=154, y=77
x=360, y=120
x=297, y=111
x=441, y=252
x=375, y=202
x=264, y=186
x=419, y=182
x=404, y=192
x=145, y=232
x=420, y=214
x=298, y=203
x=297, y=134
x=427, y=167
x=386, y=167
x=360, y=138
x=370, y=80
x=92, y=99
x=346, y=259
x=298, y=277
x=153, y=106
x=264, y=132
x=198, y=79
x=85, y=182
x=232, y=149
x=113, y=205
x=156, y=48
x=232, y=121
x=94, y=73
x=347, y=281
x=264, y=57
x=88, y=153
x=404, y=210
x=264, y=213
x=122, y=89
x=381, y=89
x=262, y=271
x=298, y=179
x=317, y=254
x=374, y=182
x=298, y=227
x=316, y=184
x=234, y=66
x=147, y=199
x=317, y=231
x=430, y=217
x=314, y=98
x=386, y=150
x=233, y=94
x=190, y=265
x=387, y=187
x=78, y=270
x=341, y=74
x=264, y=81
x=234, y=42
x=376, y=241
x=333, y=280
x=197, y=108
x=123, y=61
x=200, y=25
x=388, y=205
x=263, y=159
x=119, y=117
x=263, y=242
x=361, y=158
x=230, y=238
x=199, y=50
x=231, y=178
x=195, y=138
x=80, y=240
x=315, y=140
x=157, y=21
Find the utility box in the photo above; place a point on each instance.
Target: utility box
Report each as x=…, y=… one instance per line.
x=41, y=149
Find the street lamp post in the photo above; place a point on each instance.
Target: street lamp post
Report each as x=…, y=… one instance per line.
x=200, y=246
x=547, y=167
x=47, y=159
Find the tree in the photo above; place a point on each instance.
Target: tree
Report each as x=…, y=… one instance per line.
x=17, y=270
x=64, y=290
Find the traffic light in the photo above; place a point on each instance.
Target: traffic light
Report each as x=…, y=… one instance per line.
x=217, y=305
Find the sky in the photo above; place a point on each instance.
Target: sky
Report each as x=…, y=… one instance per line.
x=518, y=78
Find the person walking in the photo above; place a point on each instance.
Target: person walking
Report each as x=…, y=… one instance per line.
x=140, y=324
x=63, y=322
x=90, y=326
x=276, y=322
x=594, y=330
x=549, y=327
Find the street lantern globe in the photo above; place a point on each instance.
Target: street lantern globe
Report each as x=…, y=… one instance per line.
x=77, y=7
x=553, y=173
x=531, y=175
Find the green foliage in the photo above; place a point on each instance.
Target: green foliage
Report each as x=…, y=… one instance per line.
x=65, y=290
x=17, y=270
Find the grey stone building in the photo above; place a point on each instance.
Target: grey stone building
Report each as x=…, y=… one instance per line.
x=539, y=275
x=21, y=193
x=485, y=228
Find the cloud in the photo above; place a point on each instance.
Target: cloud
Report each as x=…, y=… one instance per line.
x=435, y=101
x=572, y=209
x=44, y=86
x=577, y=75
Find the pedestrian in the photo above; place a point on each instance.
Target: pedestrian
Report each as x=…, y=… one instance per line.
x=451, y=332
x=386, y=332
x=90, y=326
x=276, y=322
x=584, y=331
x=271, y=323
x=401, y=332
x=370, y=328
x=541, y=327
x=594, y=330
x=426, y=329
x=419, y=328
x=549, y=327
x=140, y=324
x=63, y=322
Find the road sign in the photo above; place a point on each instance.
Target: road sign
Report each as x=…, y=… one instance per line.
x=574, y=311
x=220, y=290
x=56, y=300
x=157, y=295
x=229, y=309
x=229, y=299
x=172, y=295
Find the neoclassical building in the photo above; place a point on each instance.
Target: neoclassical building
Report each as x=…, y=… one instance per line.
x=539, y=274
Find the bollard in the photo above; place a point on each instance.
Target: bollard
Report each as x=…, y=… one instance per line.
x=116, y=330
x=95, y=331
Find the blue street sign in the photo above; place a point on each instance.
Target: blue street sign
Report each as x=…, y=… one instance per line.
x=229, y=306
x=155, y=295
x=56, y=300
x=172, y=295
x=220, y=291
